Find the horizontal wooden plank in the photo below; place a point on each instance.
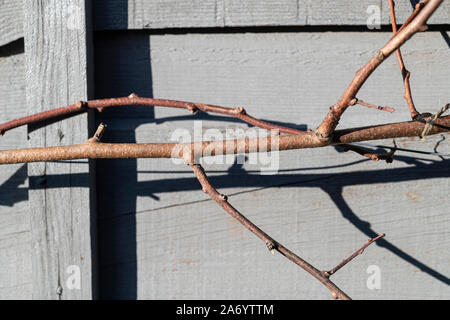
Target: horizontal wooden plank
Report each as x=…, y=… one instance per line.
x=140, y=14
x=160, y=236
x=11, y=21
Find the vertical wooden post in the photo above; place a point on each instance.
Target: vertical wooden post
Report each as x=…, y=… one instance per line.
x=57, y=42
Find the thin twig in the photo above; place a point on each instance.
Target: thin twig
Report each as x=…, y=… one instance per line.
x=134, y=100
x=405, y=73
x=271, y=244
x=372, y=106
x=352, y=256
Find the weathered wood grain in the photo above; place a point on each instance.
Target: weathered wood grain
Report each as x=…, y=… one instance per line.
x=56, y=50
x=161, y=237
x=15, y=245
x=140, y=14
x=11, y=21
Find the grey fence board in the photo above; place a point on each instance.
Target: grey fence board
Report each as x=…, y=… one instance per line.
x=160, y=236
x=15, y=248
x=11, y=21
x=56, y=43
x=141, y=14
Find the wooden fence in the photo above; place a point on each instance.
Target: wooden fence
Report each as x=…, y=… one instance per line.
x=142, y=229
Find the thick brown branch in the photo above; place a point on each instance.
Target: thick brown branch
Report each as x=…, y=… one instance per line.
x=416, y=24
x=352, y=256
x=189, y=151
x=272, y=244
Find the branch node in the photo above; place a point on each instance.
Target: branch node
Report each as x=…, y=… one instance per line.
x=133, y=96
x=81, y=104
x=380, y=56
x=192, y=108
x=423, y=28
x=353, y=101
x=318, y=134
x=240, y=110
x=418, y=5
x=224, y=197
x=271, y=246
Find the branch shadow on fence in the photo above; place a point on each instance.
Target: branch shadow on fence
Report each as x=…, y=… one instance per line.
x=121, y=237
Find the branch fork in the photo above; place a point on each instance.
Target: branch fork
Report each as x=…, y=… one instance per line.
x=272, y=244
x=431, y=121
x=416, y=23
